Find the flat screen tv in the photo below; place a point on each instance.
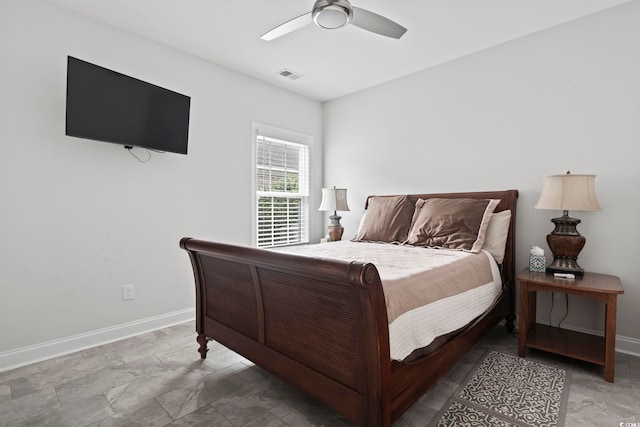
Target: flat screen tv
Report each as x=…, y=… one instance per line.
x=105, y=105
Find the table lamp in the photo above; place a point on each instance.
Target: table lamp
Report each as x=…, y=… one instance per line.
x=334, y=199
x=567, y=192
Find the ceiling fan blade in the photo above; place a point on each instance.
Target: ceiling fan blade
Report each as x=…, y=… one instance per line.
x=287, y=27
x=376, y=23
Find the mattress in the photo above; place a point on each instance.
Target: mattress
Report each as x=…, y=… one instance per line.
x=428, y=292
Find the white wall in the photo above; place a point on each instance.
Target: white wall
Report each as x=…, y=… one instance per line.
x=79, y=219
x=567, y=98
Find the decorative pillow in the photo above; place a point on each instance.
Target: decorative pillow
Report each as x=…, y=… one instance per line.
x=387, y=220
x=495, y=239
x=451, y=223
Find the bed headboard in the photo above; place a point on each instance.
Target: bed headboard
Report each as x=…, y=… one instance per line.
x=508, y=201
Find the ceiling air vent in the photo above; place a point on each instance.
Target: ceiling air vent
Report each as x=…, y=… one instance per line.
x=291, y=75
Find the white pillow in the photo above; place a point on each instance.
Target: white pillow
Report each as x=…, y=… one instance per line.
x=495, y=240
x=362, y=218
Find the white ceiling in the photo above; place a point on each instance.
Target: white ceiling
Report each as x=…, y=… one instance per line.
x=333, y=62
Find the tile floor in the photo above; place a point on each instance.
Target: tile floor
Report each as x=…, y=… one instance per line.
x=158, y=379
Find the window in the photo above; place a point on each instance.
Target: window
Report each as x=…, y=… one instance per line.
x=282, y=192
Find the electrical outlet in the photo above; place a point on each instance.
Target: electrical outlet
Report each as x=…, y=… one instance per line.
x=128, y=292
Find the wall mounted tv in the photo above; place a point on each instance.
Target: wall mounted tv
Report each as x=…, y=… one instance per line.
x=105, y=105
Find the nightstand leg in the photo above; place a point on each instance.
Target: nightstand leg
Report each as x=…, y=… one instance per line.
x=527, y=317
x=610, y=338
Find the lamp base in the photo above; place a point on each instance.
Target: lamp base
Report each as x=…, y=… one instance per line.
x=334, y=229
x=335, y=233
x=565, y=243
x=565, y=265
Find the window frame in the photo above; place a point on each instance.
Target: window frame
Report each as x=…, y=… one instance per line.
x=284, y=135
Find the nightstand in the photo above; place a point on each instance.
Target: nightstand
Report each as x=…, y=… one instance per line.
x=590, y=348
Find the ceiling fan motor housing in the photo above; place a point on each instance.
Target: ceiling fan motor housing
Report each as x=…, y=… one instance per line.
x=332, y=14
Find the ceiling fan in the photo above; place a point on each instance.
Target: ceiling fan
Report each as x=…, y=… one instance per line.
x=332, y=14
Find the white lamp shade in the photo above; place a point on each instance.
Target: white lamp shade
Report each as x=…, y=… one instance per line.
x=569, y=192
x=334, y=199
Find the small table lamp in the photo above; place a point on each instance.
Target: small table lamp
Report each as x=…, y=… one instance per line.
x=567, y=192
x=334, y=199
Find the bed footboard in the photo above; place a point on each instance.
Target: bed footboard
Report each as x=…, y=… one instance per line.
x=319, y=324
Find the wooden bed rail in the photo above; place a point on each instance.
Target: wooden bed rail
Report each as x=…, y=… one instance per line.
x=324, y=320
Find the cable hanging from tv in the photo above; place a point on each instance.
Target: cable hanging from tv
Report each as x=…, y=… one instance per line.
x=129, y=148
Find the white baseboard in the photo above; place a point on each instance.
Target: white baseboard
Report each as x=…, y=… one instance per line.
x=626, y=345
x=35, y=353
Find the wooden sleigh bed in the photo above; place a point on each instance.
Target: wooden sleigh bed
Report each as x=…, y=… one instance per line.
x=321, y=324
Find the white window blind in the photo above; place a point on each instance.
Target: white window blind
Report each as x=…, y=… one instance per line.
x=282, y=192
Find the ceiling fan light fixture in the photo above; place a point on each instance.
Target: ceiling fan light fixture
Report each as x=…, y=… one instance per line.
x=332, y=14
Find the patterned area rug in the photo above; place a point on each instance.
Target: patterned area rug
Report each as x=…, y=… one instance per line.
x=505, y=390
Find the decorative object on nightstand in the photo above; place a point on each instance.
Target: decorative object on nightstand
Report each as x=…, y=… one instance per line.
x=334, y=199
x=567, y=192
x=537, y=261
